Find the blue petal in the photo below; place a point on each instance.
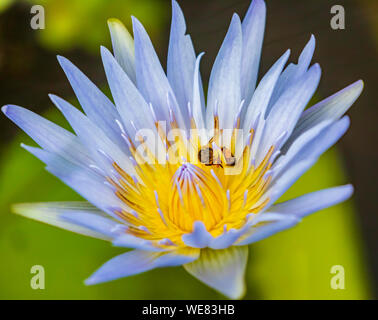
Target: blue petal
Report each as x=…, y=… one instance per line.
x=138, y=261
x=312, y=148
x=151, y=79
x=130, y=103
x=198, y=105
x=286, y=180
x=315, y=201
x=95, y=104
x=97, y=223
x=49, y=135
x=287, y=214
x=287, y=110
x=199, y=238
x=306, y=56
x=224, y=84
x=305, y=156
x=253, y=34
x=260, y=100
x=78, y=217
x=228, y=238
x=130, y=241
x=222, y=270
x=94, y=139
x=263, y=92
x=331, y=108
x=181, y=60
x=293, y=72
x=268, y=228
x=84, y=181
x=294, y=154
x=123, y=47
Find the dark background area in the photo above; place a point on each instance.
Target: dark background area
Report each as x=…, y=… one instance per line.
x=28, y=72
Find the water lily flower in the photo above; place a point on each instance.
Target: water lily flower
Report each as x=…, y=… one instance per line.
x=170, y=207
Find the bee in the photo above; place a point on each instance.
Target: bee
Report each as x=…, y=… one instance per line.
x=206, y=156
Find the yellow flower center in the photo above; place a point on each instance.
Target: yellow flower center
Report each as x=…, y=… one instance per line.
x=213, y=187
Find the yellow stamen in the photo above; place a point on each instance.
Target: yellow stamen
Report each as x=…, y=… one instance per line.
x=166, y=199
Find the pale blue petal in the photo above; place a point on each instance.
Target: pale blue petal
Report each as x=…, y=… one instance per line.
x=97, y=223
x=293, y=72
x=253, y=27
x=260, y=232
x=295, y=151
x=130, y=241
x=94, y=139
x=95, y=104
x=198, y=105
x=313, y=148
x=123, y=47
x=130, y=103
x=199, y=238
x=181, y=60
x=49, y=135
x=287, y=110
x=151, y=79
x=58, y=214
x=138, y=261
x=331, y=108
x=305, y=58
x=228, y=238
x=222, y=270
x=286, y=180
x=287, y=214
x=260, y=100
x=89, y=184
x=224, y=84
x=315, y=201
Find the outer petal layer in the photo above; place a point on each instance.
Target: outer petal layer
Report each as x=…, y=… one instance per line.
x=137, y=261
x=222, y=270
x=315, y=201
x=224, y=84
x=123, y=47
x=253, y=27
x=79, y=217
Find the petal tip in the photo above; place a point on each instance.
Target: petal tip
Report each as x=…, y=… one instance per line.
x=114, y=21
x=55, y=100
x=104, y=50
x=259, y=4
x=349, y=190
x=360, y=84
x=90, y=281
x=5, y=109
x=61, y=59
x=236, y=19
x=136, y=22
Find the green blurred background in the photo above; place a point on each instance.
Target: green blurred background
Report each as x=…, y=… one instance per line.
x=294, y=264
